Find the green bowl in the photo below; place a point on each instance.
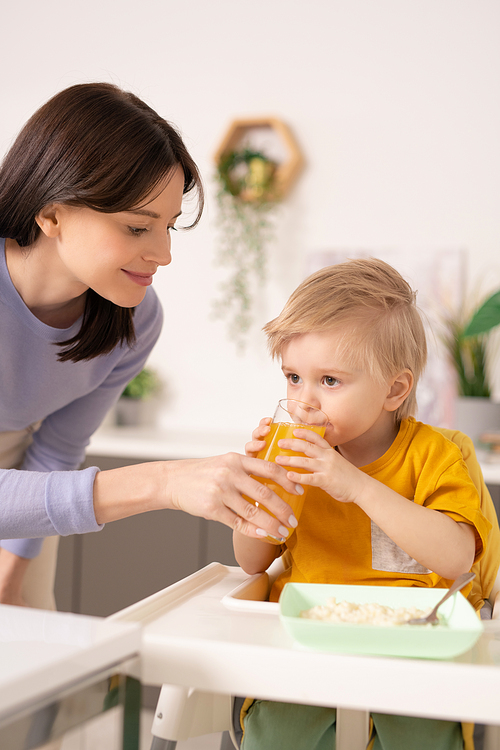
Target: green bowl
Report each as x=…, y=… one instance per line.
x=460, y=631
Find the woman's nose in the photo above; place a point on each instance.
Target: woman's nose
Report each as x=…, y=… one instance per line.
x=160, y=252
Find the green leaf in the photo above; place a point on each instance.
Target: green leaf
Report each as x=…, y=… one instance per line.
x=142, y=385
x=485, y=318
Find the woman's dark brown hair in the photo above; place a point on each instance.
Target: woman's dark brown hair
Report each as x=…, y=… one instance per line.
x=97, y=146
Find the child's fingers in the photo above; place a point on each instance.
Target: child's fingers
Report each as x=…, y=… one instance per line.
x=309, y=479
x=301, y=446
x=253, y=447
x=309, y=436
x=263, y=429
x=298, y=462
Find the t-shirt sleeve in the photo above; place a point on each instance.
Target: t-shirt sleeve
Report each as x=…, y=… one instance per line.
x=456, y=495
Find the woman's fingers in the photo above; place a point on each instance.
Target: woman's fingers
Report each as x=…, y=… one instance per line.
x=263, y=495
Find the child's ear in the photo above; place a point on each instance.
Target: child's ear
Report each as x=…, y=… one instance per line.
x=48, y=220
x=400, y=389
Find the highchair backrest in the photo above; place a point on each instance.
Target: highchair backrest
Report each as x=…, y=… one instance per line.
x=486, y=584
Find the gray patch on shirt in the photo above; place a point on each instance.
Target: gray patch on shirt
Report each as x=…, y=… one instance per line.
x=387, y=556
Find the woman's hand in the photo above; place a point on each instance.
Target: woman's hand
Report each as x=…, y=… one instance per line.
x=212, y=488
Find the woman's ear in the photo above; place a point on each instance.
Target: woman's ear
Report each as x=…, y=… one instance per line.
x=400, y=389
x=48, y=220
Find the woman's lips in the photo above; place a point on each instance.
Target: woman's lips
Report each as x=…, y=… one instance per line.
x=143, y=279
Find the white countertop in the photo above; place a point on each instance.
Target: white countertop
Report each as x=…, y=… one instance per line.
x=42, y=653
x=151, y=444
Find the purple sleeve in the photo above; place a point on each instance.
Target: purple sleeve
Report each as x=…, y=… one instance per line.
x=47, y=503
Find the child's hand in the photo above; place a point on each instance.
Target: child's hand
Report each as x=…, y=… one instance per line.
x=328, y=469
x=258, y=442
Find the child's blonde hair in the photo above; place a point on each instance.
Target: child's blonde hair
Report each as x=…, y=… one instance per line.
x=373, y=306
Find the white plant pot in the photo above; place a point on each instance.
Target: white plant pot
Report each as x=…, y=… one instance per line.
x=134, y=412
x=475, y=415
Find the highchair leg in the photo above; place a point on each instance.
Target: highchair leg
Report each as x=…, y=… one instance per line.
x=159, y=744
x=182, y=713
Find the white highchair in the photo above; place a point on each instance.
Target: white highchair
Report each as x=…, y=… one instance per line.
x=182, y=713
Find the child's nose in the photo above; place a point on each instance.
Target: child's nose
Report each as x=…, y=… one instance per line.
x=309, y=396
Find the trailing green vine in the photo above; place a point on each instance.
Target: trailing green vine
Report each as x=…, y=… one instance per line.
x=245, y=207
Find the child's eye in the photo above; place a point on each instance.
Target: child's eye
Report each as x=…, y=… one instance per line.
x=293, y=378
x=137, y=231
x=330, y=381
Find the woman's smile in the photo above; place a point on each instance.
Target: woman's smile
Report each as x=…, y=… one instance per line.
x=143, y=279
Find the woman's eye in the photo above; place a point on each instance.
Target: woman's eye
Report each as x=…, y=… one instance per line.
x=330, y=380
x=137, y=231
x=171, y=229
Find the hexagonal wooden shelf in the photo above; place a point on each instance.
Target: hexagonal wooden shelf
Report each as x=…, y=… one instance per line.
x=287, y=171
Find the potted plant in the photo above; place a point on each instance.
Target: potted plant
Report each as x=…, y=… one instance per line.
x=130, y=407
x=467, y=340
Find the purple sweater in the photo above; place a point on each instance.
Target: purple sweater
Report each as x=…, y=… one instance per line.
x=71, y=399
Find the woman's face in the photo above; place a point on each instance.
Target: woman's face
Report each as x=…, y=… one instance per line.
x=117, y=254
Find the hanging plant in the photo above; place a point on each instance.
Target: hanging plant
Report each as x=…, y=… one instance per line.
x=246, y=201
x=247, y=174
x=251, y=187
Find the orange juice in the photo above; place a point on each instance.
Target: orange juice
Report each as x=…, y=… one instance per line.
x=282, y=431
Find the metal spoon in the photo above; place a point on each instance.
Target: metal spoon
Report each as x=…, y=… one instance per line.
x=432, y=617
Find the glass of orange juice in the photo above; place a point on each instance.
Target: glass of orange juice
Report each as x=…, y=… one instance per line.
x=290, y=414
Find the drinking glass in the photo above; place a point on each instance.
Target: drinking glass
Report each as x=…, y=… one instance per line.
x=289, y=415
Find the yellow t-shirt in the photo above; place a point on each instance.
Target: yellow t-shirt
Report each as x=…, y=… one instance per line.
x=338, y=543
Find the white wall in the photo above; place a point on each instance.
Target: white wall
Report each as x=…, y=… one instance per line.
x=395, y=103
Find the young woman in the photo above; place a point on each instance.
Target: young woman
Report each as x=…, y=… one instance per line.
x=89, y=194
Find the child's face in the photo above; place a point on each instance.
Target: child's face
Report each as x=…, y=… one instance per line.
x=357, y=405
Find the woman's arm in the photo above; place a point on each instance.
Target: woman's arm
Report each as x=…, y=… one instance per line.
x=76, y=502
x=209, y=487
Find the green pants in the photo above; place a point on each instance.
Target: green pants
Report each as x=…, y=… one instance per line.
x=270, y=725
